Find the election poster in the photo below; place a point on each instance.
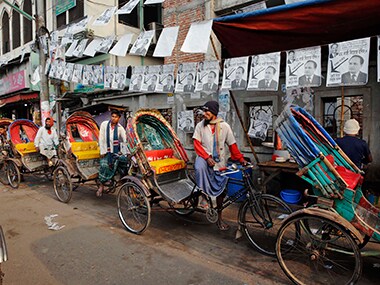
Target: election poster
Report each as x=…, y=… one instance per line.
x=186, y=77
x=165, y=78
x=150, y=78
x=136, y=78
x=235, y=73
x=207, y=76
x=264, y=72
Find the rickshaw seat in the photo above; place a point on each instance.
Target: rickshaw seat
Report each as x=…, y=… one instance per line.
x=350, y=177
x=85, y=150
x=167, y=165
x=153, y=155
x=26, y=148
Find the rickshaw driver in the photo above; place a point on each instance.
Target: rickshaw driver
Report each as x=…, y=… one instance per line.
x=210, y=137
x=3, y=140
x=46, y=141
x=111, y=136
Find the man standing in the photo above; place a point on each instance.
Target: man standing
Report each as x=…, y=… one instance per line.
x=239, y=82
x=268, y=83
x=111, y=135
x=210, y=85
x=354, y=75
x=46, y=141
x=210, y=137
x=310, y=78
x=356, y=149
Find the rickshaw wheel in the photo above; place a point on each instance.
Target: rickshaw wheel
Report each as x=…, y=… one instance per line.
x=261, y=219
x=13, y=174
x=310, y=256
x=63, y=187
x=133, y=208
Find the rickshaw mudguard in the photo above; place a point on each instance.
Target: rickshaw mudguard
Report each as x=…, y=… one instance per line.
x=136, y=181
x=328, y=215
x=68, y=166
x=17, y=161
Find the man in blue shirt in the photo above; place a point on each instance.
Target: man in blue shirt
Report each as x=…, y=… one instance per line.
x=356, y=149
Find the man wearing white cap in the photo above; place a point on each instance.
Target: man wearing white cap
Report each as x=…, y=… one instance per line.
x=356, y=149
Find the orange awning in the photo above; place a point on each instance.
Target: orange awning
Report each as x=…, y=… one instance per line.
x=18, y=97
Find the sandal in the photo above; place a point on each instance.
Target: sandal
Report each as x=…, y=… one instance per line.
x=203, y=204
x=222, y=226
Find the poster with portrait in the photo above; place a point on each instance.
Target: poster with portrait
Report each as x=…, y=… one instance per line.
x=119, y=79
x=105, y=44
x=142, y=43
x=60, y=69
x=186, y=77
x=165, y=78
x=235, y=73
x=70, y=50
x=127, y=8
x=303, y=67
x=186, y=121
x=87, y=75
x=150, y=79
x=224, y=101
x=109, y=73
x=77, y=74
x=105, y=17
x=47, y=66
x=136, y=78
x=300, y=96
x=77, y=27
x=98, y=74
x=259, y=125
x=68, y=72
x=207, y=78
x=78, y=51
x=348, y=63
x=264, y=72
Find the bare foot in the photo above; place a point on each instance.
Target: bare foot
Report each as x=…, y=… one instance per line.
x=222, y=225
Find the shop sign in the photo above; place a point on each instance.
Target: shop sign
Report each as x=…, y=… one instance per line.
x=64, y=5
x=13, y=82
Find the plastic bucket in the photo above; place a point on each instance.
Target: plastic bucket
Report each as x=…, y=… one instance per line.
x=233, y=188
x=291, y=196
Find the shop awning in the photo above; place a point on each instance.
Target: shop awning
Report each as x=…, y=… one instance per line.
x=304, y=24
x=18, y=97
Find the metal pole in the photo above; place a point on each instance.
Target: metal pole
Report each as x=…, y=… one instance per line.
x=342, y=114
x=26, y=15
x=244, y=129
x=57, y=88
x=44, y=88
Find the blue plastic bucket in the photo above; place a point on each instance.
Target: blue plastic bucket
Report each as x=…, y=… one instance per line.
x=291, y=196
x=234, y=188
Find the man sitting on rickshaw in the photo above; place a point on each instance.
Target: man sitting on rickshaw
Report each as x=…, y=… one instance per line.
x=210, y=137
x=111, y=136
x=3, y=140
x=46, y=141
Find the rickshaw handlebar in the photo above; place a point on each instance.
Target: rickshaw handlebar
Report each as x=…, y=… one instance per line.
x=233, y=168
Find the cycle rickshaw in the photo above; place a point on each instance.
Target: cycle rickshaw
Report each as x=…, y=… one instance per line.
x=4, y=151
x=321, y=244
x=23, y=157
x=159, y=176
x=79, y=155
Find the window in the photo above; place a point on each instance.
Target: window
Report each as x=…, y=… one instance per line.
x=260, y=117
x=27, y=23
x=332, y=110
x=5, y=26
x=74, y=14
x=152, y=13
x=16, y=37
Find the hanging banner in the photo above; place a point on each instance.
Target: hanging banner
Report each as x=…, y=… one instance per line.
x=77, y=74
x=207, y=76
x=166, y=42
x=235, y=73
x=121, y=47
x=68, y=73
x=186, y=77
x=198, y=37
x=109, y=73
x=78, y=51
x=127, y=8
x=142, y=43
x=264, y=72
x=105, y=44
x=348, y=63
x=119, y=80
x=303, y=67
x=105, y=17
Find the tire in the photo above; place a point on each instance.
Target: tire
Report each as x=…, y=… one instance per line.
x=260, y=219
x=13, y=174
x=310, y=256
x=133, y=208
x=63, y=186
